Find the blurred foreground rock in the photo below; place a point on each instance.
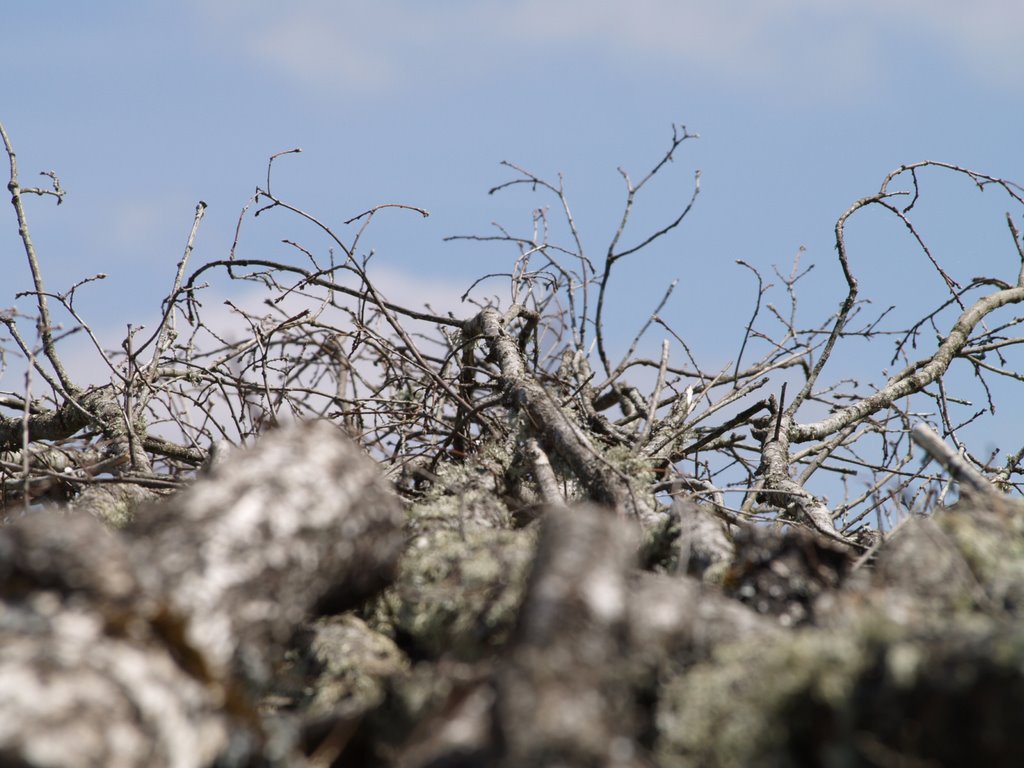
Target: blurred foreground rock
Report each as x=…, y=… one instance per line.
x=284, y=611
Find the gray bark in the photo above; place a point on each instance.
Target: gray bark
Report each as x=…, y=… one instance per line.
x=162, y=645
x=302, y=522
x=144, y=649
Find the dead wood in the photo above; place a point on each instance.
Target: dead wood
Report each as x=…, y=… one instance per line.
x=147, y=648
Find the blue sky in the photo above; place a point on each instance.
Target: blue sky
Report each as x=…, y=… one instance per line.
x=802, y=106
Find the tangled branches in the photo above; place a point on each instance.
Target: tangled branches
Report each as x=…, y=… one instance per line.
x=525, y=393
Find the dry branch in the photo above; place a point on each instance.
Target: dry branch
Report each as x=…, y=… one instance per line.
x=549, y=421
x=968, y=477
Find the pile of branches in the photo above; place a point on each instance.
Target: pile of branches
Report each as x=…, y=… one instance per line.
x=489, y=427
x=530, y=377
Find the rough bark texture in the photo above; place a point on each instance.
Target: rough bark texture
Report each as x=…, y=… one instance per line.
x=145, y=649
x=91, y=671
x=705, y=548
x=191, y=639
x=304, y=522
x=565, y=690
x=788, y=495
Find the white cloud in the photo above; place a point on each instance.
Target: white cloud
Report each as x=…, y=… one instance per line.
x=985, y=35
x=135, y=224
x=324, y=55
x=804, y=44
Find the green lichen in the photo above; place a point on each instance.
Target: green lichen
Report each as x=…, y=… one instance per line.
x=458, y=592
x=638, y=469
x=355, y=664
x=992, y=543
x=470, y=493
x=731, y=710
